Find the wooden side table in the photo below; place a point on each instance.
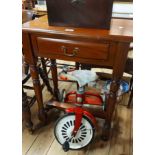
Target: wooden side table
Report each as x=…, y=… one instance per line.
x=107, y=48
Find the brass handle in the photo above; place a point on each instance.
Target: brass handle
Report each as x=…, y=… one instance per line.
x=74, y=52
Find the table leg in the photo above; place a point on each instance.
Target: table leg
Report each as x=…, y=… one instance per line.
x=38, y=92
x=110, y=109
x=118, y=69
x=26, y=112
x=55, y=78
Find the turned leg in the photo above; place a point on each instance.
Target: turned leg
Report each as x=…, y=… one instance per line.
x=43, y=62
x=44, y=75
x=26, y=112
x=26, y=68
x=55, y=78
x=45, y=79
x=38, y=92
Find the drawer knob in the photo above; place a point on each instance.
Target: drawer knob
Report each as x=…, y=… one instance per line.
x=74, y=52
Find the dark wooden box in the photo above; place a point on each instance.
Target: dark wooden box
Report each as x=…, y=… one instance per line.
x=80, y=13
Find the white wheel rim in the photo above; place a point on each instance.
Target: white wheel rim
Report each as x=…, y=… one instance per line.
x=65, y=127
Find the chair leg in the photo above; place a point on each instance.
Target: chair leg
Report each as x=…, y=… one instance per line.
x=131, y=83
x=45, y=80
x=86, y=66
x=26, y=112
x=55, y=79
x=77, y=65
x=131, y=95
x=130, y=99
x=44, y=75
x=43, y=62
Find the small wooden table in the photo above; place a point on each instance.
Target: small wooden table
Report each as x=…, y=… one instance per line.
x=108, y=48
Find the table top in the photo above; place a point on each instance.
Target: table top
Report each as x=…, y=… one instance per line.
x=120, y=30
